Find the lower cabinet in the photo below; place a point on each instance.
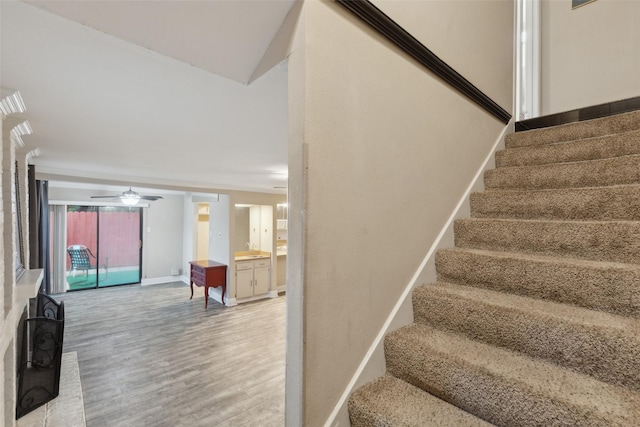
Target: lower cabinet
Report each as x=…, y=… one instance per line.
x=253, y=278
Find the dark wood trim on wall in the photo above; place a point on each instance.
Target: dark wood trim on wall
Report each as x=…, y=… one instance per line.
x=580, y=114
x=386, y=26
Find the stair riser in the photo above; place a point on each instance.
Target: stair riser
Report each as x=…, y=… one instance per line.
x=601, y=204
x=606, y=354
x=478, y=392
x=391, y=401
x=592, y=149
x=571, y=132
x=600, y=241
x=614, y=290
x=596, y=173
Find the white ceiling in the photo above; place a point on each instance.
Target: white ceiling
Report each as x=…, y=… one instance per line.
x=151, y=91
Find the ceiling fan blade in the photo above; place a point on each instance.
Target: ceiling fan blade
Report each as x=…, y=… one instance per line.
x=128, y=195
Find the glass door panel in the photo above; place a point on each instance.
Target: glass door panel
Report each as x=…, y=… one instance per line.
x=82, y=245
x=119, y=246
x=103, y=246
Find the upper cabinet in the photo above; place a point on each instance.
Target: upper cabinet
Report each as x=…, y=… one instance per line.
x=254, y=228
x=282, y=215
x=266, y=228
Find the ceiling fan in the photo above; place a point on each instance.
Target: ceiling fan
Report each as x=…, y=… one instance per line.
x=129, y=197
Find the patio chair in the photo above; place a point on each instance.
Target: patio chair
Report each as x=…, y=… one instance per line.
x=81, y=259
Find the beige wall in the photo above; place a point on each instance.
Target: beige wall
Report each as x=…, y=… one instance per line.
x=380, y=154
x=590, y=55
x=464, y=34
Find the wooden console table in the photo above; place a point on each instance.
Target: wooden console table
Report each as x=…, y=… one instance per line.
x=208, y=274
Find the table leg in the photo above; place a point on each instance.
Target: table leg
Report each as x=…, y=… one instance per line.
x=223, y=289
x=191, y=283
x=206, y=296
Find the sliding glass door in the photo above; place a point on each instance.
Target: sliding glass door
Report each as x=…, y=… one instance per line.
x=104, y=246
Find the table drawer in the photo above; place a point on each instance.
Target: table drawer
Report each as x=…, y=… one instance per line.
x=197, y=269
x=197, y=277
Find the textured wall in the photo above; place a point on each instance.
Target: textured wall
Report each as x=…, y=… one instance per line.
x=472, y=36
x=380, y=153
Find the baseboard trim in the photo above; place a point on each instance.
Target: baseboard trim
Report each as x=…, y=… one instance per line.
x=418, y=274
x=587, y=113
x=256, y=298
x=165, y=279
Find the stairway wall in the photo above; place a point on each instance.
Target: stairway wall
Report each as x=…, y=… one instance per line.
x=385, y=153
x=373, y=365
x=438, y=24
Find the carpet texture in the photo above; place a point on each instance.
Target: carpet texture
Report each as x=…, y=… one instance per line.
x=535, y=316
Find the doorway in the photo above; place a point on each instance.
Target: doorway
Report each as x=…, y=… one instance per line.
x=103, y=245
x=202, y=233
x=528, y=59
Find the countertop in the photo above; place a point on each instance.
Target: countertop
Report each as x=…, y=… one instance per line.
x=251, y=257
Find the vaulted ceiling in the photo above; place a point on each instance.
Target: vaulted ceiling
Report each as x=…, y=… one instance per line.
x=176, y=93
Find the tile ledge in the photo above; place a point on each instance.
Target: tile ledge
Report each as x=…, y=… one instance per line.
x=29, y=284
x=68, y=408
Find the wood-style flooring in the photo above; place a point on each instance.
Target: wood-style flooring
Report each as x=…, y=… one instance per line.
x=150, y=357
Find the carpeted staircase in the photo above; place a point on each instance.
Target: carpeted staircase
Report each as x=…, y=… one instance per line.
x=535, y=317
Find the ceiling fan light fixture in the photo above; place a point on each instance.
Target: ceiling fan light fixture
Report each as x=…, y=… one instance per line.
x=129, y=197
x=130, y=201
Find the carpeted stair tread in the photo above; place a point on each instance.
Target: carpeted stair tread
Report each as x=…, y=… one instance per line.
x=573, y=337
x=616, y=241
x=573, y=131
x=598, y=285
x=590, y=173
x=388, y=401
x=573, y=151
x=504, y=387
x=619, y=202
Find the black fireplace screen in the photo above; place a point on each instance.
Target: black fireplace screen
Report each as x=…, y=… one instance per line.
x=40, y=356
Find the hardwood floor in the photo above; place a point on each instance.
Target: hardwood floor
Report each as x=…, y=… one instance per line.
x=150, y=357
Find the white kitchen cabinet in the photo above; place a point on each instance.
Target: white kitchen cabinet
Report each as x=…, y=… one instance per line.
x=262, y=280
x=255, y=224
x=260, y=228
x=282, y=214
x=266, y=228
x=253, y=278
x=244, y=280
